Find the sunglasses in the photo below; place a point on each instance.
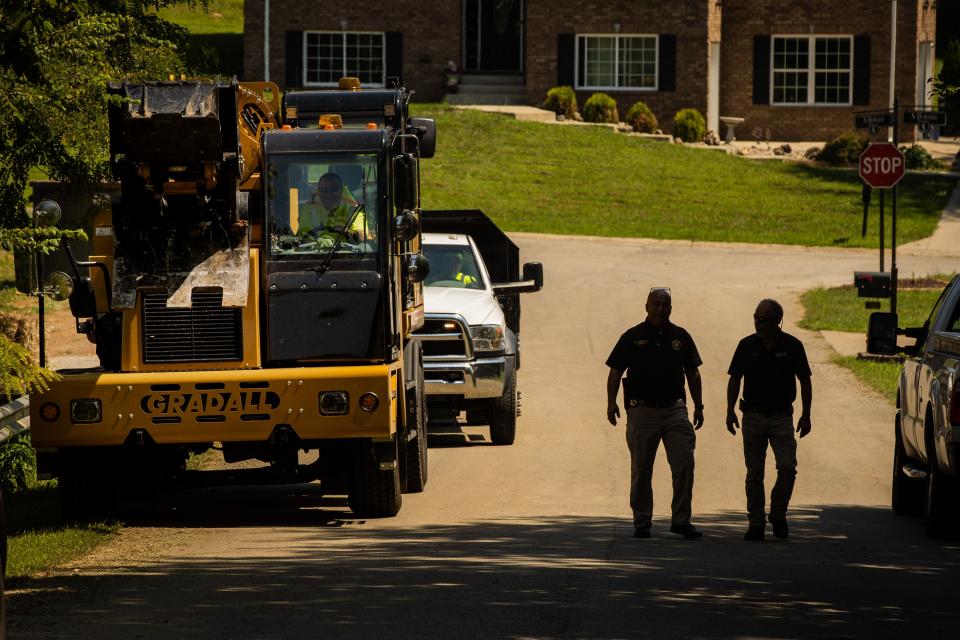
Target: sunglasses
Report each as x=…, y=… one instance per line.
x=658, y=289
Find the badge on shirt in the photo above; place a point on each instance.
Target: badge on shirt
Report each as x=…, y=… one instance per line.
x=641, y=343
x=633, y=402
x=676, y=345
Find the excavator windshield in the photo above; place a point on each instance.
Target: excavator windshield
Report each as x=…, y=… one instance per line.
x=322, y=203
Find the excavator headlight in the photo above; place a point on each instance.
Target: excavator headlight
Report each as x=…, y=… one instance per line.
x=85, y=410
x=334, y=403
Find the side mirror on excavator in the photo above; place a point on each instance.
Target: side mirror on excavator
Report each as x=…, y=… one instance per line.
x=406, y=182
x=46, y=213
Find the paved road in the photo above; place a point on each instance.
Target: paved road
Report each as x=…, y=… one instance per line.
x=534, y=540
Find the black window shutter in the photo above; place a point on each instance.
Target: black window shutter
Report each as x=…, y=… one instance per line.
x=394, y=50
x=581, y=61
x=294, y=61
x=861, y=70
x=761, y=69
x=667, y=65
x=566, y=59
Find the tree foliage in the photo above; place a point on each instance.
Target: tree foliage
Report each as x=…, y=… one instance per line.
x=947, y=86
x=56, y=57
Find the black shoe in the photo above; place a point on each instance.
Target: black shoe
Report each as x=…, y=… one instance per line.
x=780, y=528
x=688, y=531
x=754, y=532
x=641, y=532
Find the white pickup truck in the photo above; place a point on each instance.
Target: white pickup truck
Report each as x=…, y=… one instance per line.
x=926, y=459
x=471, y=332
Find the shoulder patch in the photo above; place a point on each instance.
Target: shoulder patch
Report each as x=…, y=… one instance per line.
x=676, y=344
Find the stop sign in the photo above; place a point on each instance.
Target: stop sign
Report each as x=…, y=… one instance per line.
x=881, y=165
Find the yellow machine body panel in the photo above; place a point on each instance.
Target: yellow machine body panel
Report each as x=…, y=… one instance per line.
x=133, y=338
x=216, y=406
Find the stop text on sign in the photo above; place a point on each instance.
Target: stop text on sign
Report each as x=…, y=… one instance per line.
x=882, y=165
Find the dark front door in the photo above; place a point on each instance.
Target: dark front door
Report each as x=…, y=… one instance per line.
x=493, y=34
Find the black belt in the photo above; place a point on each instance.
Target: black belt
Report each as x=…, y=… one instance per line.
x=659, y=404
x=765, y=410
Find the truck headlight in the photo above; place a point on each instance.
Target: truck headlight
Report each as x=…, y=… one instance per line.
x=487, y=338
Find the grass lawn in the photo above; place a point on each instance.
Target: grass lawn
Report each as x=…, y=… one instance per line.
x=839, y=308
x=38, y=540
x=882, y=376
x=590, y=180
x=220, y=28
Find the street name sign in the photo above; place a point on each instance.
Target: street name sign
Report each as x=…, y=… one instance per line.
x=925, y=117
x=873, y=120
x=882, y=165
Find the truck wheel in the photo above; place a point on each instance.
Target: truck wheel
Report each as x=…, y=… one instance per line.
x=374, y=493
x=503, y=413
x=941, y=503
x=907, y=493
x=416, y=467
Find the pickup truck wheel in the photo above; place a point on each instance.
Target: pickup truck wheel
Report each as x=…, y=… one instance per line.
x=941, y=502
x=374, y=493
x=416, y=467
x=503, y=413
x=907, y=493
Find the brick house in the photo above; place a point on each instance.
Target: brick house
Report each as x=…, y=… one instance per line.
x=797, y=69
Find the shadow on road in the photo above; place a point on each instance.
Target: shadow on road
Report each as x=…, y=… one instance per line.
x=451, y=434
x=845, y=572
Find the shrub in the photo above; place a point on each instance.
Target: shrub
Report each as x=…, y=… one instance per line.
x=562, y=101
x=689, y=125
x=916, y=157
x=641, y=118
x=601, y=108
x=17, y=465
x=844, y=149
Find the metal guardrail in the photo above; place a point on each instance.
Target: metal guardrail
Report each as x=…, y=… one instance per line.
x=14, y=419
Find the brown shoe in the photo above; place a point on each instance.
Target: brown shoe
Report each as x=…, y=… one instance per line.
x=688, y=531
x=780, y=528
x=754, y=533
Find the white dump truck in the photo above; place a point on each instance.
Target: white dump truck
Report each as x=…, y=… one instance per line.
x=471, y=332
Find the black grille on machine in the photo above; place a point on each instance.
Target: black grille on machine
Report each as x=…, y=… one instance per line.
x=206, y=332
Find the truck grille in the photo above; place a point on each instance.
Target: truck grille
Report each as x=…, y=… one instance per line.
x=445, y=338
x=206, y=332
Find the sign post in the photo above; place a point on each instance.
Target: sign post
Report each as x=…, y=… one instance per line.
x=882, y=166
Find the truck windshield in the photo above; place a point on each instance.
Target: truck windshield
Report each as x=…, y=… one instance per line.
x=315, y=200
x=452, y=265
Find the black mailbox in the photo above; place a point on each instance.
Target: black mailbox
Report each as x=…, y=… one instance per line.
x=872, y=284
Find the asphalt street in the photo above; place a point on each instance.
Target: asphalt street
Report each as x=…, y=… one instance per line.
x=534, y=540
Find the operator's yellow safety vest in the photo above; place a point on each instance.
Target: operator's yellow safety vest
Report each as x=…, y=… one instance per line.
x=314, y=214
x=465, y=279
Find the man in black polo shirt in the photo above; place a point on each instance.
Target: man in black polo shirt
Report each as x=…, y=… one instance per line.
x=657, y=355
x=770, y=362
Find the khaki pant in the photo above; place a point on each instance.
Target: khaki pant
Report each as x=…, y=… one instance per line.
x=646, y=427
x=777, y=430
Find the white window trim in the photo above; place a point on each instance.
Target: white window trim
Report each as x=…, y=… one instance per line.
x=811, y=70
x=616, y=36
x=383, y=56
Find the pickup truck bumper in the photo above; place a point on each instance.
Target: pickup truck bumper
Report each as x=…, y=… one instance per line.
x=472, y=379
